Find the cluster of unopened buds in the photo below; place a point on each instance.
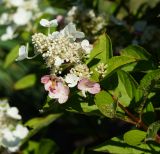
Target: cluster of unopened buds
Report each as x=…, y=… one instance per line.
x=65, y=55
x=12, y=132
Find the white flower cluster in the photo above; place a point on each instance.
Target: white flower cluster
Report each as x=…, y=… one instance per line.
x=61, y=48
x=102, y=69
x=18, y=13
x=65, y=55
x=11, y=131
x=91, y=22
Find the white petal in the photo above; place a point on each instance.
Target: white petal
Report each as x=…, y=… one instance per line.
x=9, y=140
x=84, y=93
x=44, y=23
x=71, y=80
x=86, y=46
x=10, y=30
x=71, y=32
x=58, y=61
x=84, y=43
x=51, y=95
x=13, y=113
x=20, y=131
x=79, y=34
x=54, y=23
x=8, y=135
x=62, y=99
x=23, y=53
x=13, y=149
x=22, y=16
x=4, y=37
x=16, y=3
x=55, y=35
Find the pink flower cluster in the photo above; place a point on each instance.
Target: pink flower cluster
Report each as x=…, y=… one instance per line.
x=59, y=90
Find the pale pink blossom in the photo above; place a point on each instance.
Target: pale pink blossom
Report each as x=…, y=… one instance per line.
x=47, y=81
x=56, y=88
x=88, y=86
x=60, y=92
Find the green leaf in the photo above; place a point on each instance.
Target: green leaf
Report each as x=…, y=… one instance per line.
x=126, y=89
x=117, y=62
x=149, y=114
x=79, y=150
x=147, y=84
x=134, y=137
x=102, y=49
x=47, y=146
x=38, y=123
x=8, y=44
x=135, y=51
x=42, y=121
x=82, y=105
x=149, y=81
x=105, y=104
x=11, y=56
x=32, y=147
x=25, y=82
x=152, y=131
x=43, y=146
x=117, y=146
x=140, y=66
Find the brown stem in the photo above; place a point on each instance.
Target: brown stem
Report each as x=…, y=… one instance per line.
x=138, y=121
x=134, y=120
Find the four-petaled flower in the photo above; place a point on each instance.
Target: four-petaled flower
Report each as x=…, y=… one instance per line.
x=88, y=86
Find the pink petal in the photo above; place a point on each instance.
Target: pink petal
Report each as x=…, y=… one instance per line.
x=95, y=89
x=87, y=85
x=63, y=99
x=82, y=84
x=60, y=92
x=48, y=85
x=45, y=79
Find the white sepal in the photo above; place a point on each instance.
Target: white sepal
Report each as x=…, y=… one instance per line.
x=47, y=23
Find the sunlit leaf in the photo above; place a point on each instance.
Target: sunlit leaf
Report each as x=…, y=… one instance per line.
x=105, y=104
x=134, y=137
x=152, y=131
x=11, y=56
x=25, y=82
x=117, y=146
x=102, y=50
x=126, y=88
x=135, y=52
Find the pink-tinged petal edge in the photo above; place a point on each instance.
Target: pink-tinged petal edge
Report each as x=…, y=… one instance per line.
x=95, y=89
x=45, y=79
x=60, y=93
x=82, y=84
x=48, y=85
x=87, y=85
